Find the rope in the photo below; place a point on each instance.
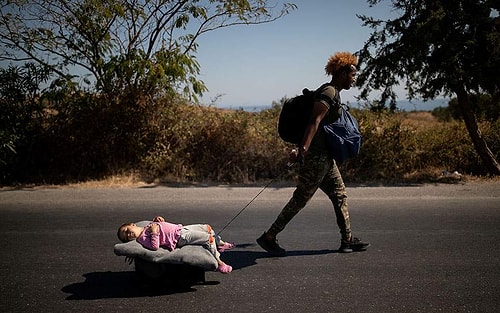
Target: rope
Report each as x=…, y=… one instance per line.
x=289, y=165
x=243, y=209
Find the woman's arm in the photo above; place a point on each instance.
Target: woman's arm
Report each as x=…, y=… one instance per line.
x=318, y=113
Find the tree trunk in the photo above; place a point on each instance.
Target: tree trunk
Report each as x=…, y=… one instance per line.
x=477, y=138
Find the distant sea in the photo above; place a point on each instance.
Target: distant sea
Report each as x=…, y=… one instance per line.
x=403, y=105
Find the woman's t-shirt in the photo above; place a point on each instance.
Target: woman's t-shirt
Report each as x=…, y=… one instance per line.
x=330, y=97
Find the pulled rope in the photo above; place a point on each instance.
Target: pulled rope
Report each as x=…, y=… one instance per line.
x=243, y=209
x=289, y=165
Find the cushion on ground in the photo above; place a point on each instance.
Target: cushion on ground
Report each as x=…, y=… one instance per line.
x=190, y=254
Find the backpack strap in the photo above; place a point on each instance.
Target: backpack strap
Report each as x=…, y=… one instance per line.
x=328, y=100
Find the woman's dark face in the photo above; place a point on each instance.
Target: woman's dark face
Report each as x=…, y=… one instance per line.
x=349, y=79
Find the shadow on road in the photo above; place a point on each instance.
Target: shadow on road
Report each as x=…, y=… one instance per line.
x=240, y=259
x=104, y=285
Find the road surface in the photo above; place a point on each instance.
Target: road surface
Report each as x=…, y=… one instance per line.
x=434, y=248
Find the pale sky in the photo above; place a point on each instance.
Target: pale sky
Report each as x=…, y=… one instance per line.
x=258, y=64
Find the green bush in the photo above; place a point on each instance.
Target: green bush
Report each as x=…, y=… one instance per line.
x=199, y=143
x=395, y=150
x=80, y=136
x=208, y=144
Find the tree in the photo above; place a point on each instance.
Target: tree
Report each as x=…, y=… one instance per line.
x=436, y=47
x=132, y=46
x=20, y=108
x=113, y=68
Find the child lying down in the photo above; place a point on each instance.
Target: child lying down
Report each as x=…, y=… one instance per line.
x=170, y=236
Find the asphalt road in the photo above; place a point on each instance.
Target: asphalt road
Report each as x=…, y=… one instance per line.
x=435, y=248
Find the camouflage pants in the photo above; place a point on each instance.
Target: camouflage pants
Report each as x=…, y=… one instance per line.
x=319, y=171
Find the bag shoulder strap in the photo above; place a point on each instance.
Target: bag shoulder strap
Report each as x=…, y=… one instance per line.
x=327, y=99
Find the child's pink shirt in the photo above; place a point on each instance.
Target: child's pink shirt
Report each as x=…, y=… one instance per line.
x=167, y=237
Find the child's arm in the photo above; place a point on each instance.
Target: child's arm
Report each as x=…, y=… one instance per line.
x=154, y=231
x=158, y=219
x=150, y=238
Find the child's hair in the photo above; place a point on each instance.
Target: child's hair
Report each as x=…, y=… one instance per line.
x=340, y=60
x=119, y=232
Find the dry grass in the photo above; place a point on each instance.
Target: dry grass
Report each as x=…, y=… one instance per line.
x=418, y=120
x=114, y=181
x=413, y=120
x=391, y=139
x=131, y=180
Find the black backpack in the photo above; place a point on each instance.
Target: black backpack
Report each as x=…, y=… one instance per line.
x=295, y=115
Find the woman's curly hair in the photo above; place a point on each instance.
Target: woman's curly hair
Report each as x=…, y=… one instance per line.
x=340, y=60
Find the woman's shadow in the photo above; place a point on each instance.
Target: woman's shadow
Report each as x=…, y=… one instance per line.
x=240, y=259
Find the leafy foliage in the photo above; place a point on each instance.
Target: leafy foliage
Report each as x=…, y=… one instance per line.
x=131, y=48
x=434, y=47
x=76, y=140
x=21, y=116
x=117, y=77
x=203, y=143
x=400, y=147
x=110, y=62
x=437, y=47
